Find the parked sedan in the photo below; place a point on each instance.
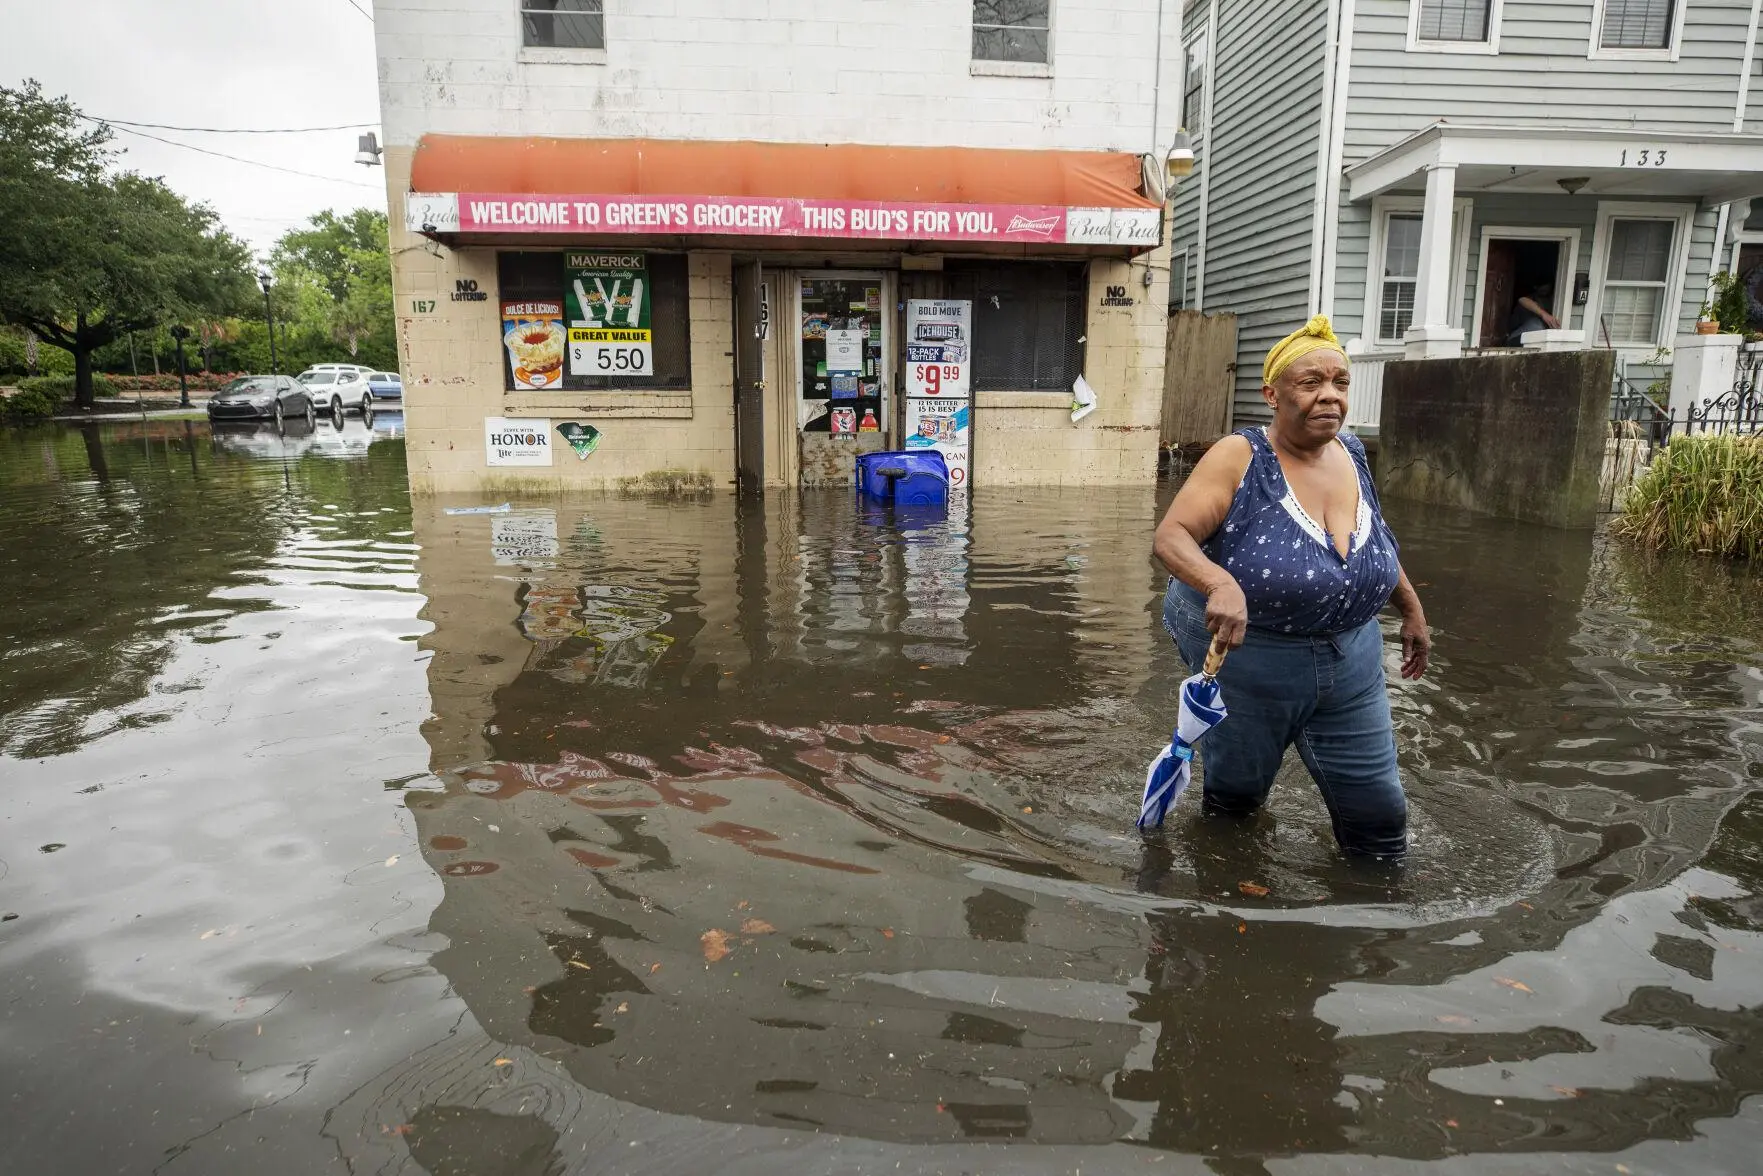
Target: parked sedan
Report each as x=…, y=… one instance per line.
x=386, y=385
x=279, y=398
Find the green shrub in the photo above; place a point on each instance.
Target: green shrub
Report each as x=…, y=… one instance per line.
x=1703, y=494
x=27, y=406
x=60, y=388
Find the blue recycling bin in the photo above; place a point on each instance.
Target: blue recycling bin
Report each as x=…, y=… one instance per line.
x=919, y=478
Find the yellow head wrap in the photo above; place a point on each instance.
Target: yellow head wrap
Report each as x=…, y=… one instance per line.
x=1312, y=336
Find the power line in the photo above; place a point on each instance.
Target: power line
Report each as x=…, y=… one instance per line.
x=123, y=122
x=361, y=10
x=251, y=162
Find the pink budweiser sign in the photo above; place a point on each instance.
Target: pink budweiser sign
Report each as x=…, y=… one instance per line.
x=475, y=212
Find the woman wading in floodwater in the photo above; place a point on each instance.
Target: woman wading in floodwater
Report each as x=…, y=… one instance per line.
x=1276, y=544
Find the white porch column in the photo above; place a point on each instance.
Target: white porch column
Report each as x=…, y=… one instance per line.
x=1431, y=336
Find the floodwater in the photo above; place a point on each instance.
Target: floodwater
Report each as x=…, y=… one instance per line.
x=622, y=835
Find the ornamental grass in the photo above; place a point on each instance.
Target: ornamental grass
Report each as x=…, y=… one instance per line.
x=1702, y=494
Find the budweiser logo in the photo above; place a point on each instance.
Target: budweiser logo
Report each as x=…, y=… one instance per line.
x=1040, y=226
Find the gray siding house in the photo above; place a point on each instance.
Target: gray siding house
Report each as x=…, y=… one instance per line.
x=1413, y=168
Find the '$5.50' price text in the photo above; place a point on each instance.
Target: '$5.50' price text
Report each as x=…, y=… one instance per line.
x=612, y=359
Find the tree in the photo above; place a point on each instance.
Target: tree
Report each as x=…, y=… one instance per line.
x=347, y=257
x=89, y=253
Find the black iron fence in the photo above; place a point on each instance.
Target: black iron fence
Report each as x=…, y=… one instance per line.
x=1639, y=424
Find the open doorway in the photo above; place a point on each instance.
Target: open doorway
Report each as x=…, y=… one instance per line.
x=1519, y=265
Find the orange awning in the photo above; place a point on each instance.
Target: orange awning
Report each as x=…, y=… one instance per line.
x=813, y=171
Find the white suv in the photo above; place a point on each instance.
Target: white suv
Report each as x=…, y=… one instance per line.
x=338, y=387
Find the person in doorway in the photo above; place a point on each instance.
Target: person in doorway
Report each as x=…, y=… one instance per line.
x=1531, y=313
x=1277, y=546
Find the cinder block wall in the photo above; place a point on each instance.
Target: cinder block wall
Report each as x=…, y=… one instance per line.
x=810, y=71
x=453, y=378
x=1028, y=438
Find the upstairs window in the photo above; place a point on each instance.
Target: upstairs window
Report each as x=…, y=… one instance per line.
x=1637, y=24
x=1454, y=26
x=563, y=24
x=1193, y=100
x=1012, y=30
x=1645, y=29
x=1454, y=20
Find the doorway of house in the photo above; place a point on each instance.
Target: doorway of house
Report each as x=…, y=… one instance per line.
x=1515, y=268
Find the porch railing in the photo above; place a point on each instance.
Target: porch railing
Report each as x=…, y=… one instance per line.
x=1365, y=396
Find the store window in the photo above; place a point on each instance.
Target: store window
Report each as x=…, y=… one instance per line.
x=634, y=307
x=563, y=24
x=1028, y=322
x=1012, y=30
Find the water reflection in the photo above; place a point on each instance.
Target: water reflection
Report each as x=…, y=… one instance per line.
x=797, y=838
x=845, y=825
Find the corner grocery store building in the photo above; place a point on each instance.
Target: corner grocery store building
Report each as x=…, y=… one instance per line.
x=752, y=252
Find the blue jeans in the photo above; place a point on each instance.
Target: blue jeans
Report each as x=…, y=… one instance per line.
x=1327, y=695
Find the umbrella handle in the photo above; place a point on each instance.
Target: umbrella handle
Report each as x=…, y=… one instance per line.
x=1215, y=658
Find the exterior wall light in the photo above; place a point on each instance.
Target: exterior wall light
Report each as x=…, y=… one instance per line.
x=367, y=150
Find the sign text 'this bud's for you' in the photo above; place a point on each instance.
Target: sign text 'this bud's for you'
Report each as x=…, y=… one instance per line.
x=608, y=303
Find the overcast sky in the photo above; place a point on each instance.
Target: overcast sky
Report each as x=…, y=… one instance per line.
x=216, y=63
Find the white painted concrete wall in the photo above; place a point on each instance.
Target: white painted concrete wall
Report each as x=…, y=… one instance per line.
x=891, y=72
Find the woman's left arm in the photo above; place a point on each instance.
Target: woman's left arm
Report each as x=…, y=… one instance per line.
x=1416, y=637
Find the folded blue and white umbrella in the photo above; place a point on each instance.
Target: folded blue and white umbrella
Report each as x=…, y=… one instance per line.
x=1202, y=708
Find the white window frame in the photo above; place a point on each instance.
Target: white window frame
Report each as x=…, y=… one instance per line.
x=1671, y=309
x=558, y=54
x=1487, y=48
x=1565, y=267
x=1381, y=207
x=986, y=67
x=1597, y=52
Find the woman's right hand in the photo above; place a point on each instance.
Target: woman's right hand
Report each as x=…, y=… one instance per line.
x=1227, y=612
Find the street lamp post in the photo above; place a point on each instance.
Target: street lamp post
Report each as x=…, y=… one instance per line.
x=269, y=315
x=179, y=333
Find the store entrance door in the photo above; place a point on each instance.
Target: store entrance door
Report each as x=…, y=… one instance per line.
x=845, y=364
x=749, y=378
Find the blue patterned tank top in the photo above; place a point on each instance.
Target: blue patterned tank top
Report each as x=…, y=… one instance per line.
x=1293, y=577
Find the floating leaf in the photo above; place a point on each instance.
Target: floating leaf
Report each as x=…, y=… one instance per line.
x=392, y=861
x=503, y=1062
x=1253, y=889
x=1569, y=1091
x=1242, y=928
x=1450, y=1122
x=582, y=966
x=1516, y=985
x=400, y=1129
x=887, y=932
x=624, y=1006
x=654, y=968
x=1454, y=1019
x=715, y=943
x=757, y=927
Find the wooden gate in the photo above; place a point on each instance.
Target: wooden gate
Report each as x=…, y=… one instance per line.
x=1199, y=377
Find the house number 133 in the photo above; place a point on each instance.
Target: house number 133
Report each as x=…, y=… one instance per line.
x=1645, y=157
